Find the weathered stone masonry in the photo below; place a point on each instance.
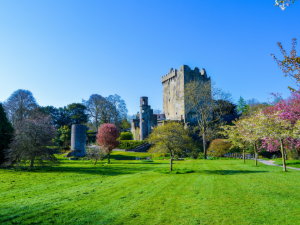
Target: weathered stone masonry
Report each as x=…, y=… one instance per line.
x=174, y=107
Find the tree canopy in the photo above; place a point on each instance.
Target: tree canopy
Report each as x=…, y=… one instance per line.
x=6, y=131
x=170, y=138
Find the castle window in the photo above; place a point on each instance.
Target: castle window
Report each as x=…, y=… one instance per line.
x=143, y=120
x=143, y=102
x=143, y=111
x=176, y=113
x=169, y=100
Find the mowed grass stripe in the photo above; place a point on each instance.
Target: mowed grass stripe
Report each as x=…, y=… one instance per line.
x=131, y=192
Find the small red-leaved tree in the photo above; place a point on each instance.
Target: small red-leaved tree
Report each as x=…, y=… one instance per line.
x=107, y=137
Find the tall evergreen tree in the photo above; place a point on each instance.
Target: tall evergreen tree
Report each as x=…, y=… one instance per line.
x=242, y=106
x=6, y=131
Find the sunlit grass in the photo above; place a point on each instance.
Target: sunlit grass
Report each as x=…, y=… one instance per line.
x=134, y=192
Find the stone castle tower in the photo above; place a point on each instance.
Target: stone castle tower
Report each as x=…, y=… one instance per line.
x=174, y=107
x=173, y=83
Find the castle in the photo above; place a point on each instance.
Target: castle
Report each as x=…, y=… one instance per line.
x=174, y=106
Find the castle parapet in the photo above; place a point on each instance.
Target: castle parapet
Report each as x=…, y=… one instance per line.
x=173, y=73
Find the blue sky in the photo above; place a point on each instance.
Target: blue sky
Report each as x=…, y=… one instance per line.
x=64, y=51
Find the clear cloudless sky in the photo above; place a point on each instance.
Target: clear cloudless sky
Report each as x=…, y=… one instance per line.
x=64, y=51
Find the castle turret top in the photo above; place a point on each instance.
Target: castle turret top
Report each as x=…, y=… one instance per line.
x=143, y=100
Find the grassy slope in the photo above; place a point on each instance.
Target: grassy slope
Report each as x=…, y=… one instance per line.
x=130, y=192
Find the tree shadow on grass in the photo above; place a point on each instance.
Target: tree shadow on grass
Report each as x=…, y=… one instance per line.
x=99, y=169
x=229, y=172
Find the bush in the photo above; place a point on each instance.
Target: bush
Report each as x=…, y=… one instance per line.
x=125, y=136
x=219, y=147
x=130, y=144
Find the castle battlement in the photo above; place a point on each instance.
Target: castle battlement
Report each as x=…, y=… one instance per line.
x=173, y=73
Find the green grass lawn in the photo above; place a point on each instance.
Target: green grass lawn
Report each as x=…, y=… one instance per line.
x=290, y=163
x=135, y=192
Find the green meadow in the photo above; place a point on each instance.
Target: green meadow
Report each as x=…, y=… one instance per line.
x=136, y=192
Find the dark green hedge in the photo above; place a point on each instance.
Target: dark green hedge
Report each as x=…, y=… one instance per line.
x=130, y=144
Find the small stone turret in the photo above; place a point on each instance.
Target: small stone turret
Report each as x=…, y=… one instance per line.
x=143, y=117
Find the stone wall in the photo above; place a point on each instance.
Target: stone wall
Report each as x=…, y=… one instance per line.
x=174, y=83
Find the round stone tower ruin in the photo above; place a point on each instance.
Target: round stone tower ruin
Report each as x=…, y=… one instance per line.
x=78, y=140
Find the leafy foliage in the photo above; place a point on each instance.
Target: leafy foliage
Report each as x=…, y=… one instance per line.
x=130, y=144
x=241, y=105
x=6, y=131
x=66, y=116
x=283, y=3
x=290, y=65
x=125, y=136
x=107, y=138
x=111, y=109
x=125, y=124
x=63, y=137
x=96, y=153
x=207, y=105
x=219, y=147
x=31, y=138
x=19, y=105
x=170, y=138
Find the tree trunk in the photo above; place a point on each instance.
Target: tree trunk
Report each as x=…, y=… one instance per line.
x=244, y=155
x=255, y=152
x=204, y=147
x=108, y=159
x=171, y=164
x=31, y=162
x=283, y=155
x=95, y=161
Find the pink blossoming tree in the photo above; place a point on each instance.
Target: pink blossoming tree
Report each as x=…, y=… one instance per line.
x=107, y=137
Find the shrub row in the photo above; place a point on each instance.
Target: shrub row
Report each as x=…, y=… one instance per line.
x=130, y=144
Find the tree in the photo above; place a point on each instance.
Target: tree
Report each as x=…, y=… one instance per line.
x=6, y=131
x=226, y=107
x=170, y=138
x=290, y=65
x=232, y=133
x=157, y=111
x=219, y=147
x=76, y=113
x=31, y=138
x=63, y=137
x=95, y=106
x=125, y=124
x=96, y=153
x=241, y=105
x=200, y=98
x=275, y=128
x=118, y=109
x=285, y=109
x=283, y=3
x=19, y=105
x=250, y=132
x=107, y=137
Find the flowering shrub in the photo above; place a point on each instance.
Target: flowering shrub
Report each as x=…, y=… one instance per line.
x=219, y=147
